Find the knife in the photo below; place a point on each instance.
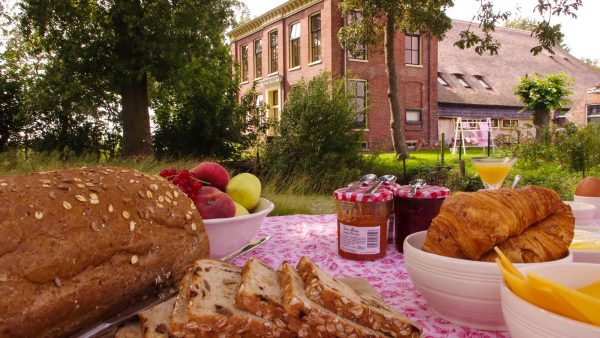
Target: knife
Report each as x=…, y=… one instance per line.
x=111, y=324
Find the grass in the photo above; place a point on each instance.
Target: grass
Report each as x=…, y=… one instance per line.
x=420, y=164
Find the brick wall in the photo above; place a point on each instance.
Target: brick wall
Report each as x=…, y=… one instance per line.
x=417, y=84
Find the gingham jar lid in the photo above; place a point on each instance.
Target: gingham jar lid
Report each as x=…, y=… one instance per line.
x=427, y=192
x=357, y=194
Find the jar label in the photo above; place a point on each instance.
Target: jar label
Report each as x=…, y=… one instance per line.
x=360, y=240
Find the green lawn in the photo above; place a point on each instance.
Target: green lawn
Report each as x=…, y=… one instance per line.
x=421, y=163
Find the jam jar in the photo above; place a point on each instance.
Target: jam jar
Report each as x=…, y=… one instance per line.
x=414, y=212
x=363, y=221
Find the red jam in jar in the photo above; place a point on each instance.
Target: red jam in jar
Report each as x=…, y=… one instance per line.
x=414, y=212
x=362, y=222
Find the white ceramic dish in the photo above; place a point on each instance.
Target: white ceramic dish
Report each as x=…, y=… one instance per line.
x=226, y=235
x=586, y=256
x=583, y=212
x=461, y=291
x=525, y=320
x=595, y=201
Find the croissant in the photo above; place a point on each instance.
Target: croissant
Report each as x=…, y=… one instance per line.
x=469, y=225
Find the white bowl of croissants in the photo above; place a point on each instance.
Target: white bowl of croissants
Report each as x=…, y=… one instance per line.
x=452, y=263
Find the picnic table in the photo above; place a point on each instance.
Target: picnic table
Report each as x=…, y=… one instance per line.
x=315, y=236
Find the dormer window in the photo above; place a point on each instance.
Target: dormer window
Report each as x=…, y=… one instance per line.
x=441, y=80
x=462, y=81
x=482, y=82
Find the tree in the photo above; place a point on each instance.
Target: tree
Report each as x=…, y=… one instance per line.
x=120, y=46
x=428, y=17
x=318, y=143
x=521, y=22
x=529, y=24
x=544, y=95
x=595, y=63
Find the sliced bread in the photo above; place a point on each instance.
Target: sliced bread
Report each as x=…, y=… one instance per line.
x=340, y=298
x=129, y=330
x=211, y=309
x=259, y=293
x=317, y=321
x=156, y=321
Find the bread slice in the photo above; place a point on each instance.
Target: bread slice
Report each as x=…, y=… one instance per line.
x=259, y=293
x=340, y=298
x=179, y=318
x=211, y=309
x=129, y=330
x=317, y=321
x=156, y=321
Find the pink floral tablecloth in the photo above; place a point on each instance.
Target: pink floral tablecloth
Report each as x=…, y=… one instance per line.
x=316, y=237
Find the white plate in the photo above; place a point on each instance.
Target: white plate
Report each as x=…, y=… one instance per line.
x=583, y=211
x=586, y=256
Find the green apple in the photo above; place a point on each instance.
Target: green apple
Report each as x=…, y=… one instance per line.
x=245, y=189
x=240, y=210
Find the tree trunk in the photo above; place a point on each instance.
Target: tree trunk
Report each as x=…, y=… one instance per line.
x=541, y=121
x=136, y=121
x=396, y=120
x=127, y=17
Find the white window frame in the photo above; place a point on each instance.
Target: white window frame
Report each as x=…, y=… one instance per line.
x=510, y=123
x=418, y=111
x=483, y=82
x=365, y=100
x=588, y=111
x=442, y=81
x=461, y=79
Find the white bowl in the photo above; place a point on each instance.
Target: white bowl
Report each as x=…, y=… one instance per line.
x=226, y=235
x=525, y=320
x=595, y=201
x=583, y=212
x=461, y=291
x=587, y=256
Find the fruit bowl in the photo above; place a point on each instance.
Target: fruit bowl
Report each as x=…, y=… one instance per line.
x=226, y=235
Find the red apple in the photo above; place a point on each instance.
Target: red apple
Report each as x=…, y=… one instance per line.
x=213, y=203
x=212, y=173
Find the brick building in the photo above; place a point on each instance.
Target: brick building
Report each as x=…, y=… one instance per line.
x=299, y=40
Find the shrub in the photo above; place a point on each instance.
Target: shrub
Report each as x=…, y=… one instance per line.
x=317, y=142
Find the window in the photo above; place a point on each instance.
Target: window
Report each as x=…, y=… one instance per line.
x=510, y=123
x=495, y=123
x=359, y=52
x=358, y=92
x=315, y=37
x=593, y=114
x=273, y=53
x=295, y=45
x=257, y=58
x=245, y=63
x=441, y=80
x=364, y=146
x=412, y=49
x=483, y=83
x=462, y=81
x=413, y=116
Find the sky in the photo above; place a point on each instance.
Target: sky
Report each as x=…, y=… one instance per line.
x=582, y=34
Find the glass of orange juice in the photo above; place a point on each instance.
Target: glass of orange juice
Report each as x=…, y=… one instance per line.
x=493, y=170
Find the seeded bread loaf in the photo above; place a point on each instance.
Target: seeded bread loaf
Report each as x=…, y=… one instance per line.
x=340, y=298
x=259, y=293
x=317, y=321
x=211, y=309
x=79, y=245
